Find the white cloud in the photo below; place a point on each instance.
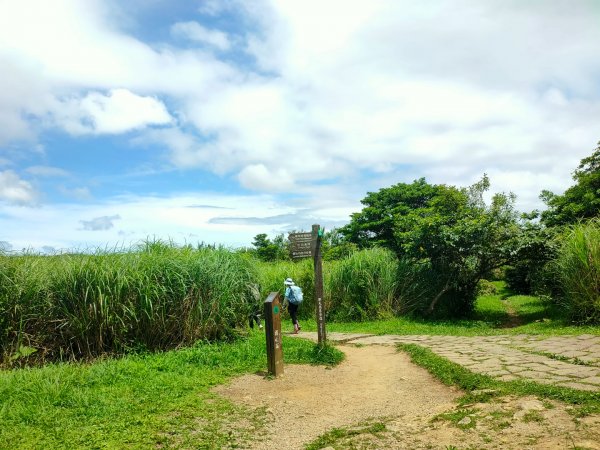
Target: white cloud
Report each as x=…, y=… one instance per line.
x=407, y=89
x=258, y=177
x=196, y=32
x=118, y=112
x=215, y=7
x=363, y=94
x=52, y=52
x=15, y=190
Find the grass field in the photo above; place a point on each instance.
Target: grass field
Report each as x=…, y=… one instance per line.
x=164, y=399
x=144, y=401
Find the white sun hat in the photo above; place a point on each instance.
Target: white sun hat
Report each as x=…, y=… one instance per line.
x=288, y=282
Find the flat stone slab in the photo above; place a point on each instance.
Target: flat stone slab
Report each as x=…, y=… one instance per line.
x=568, y=361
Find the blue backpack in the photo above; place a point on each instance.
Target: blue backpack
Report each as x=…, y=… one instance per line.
x=295, y=295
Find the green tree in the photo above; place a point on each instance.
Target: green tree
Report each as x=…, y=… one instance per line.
x=449, y=232
x=377, y=223
x=268, y=250
x=580, y=201
x=335, y=247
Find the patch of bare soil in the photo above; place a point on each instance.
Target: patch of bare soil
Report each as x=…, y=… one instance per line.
x=513, y=320
x=378, y=385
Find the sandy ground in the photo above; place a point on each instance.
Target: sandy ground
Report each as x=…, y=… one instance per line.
x=376, y=384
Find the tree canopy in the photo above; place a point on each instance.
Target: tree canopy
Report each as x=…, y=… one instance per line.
x=580, y=201
x=448, y=231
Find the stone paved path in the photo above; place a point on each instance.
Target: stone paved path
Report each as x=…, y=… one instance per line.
x=569, y=361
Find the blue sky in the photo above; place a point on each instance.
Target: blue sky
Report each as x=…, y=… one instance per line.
x=214, y=121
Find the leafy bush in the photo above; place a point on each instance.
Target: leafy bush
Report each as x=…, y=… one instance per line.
x=578, y=271
x=529, y=273
x=485, y=287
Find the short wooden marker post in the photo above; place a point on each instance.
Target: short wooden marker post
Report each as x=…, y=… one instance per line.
x=272, y=310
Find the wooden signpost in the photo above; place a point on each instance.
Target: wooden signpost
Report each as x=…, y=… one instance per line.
x=305, y=245
x=301, y=245
x=318, y=265
x=272, y=310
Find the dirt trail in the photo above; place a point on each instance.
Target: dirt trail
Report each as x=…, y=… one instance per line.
x=372, y=382
x=378, y=384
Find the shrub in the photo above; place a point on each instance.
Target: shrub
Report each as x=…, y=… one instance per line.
x=578, y=271
x=485, y=287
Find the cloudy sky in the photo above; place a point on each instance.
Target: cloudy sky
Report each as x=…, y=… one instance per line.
x=202, y=120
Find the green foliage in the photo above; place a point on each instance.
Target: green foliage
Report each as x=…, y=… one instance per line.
x=376, y=224
x=493, y=313
x=578, y=271
x=334, y=246
x=485, y=287
x=529, y=272
x=368, y=284
x=155, y=297
x=326, y=355
x=580, y=201
x=449, y=234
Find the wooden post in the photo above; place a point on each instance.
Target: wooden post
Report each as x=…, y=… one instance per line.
x=272, y=310
x=318, y=264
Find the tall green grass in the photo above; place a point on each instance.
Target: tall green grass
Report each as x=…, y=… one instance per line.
x=578, y=271
x=157, y=296
x=272, y=275
x=363, y=286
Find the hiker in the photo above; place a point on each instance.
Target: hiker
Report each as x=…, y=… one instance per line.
x=293, y=297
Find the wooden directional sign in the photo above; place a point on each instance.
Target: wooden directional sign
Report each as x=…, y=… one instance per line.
x=306, y=245
x=301, y=245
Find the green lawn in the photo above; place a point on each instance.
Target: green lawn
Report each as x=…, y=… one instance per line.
x=144, y=401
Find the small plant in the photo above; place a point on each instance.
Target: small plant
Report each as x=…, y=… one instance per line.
x=23, y=352
x=326, y=355
x=336, y=435
x=462, y=418
x=533, y=416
